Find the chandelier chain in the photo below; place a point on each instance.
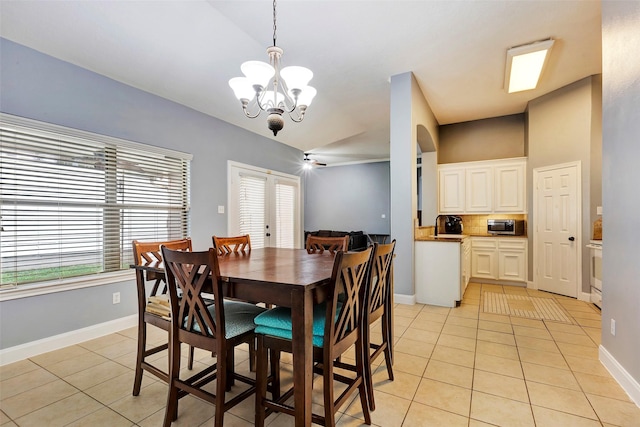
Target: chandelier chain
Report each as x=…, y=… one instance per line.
x=274, y=22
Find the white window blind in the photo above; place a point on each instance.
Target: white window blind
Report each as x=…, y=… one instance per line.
x=71, y=202
x=266, y=205
x=252, y=199
x=285, y=214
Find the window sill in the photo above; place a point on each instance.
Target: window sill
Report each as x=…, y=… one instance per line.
x=42, y=288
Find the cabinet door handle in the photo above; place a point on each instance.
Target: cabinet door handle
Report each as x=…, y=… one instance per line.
x=571, y=239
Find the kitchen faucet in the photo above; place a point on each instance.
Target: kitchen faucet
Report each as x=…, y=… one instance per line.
x=435, y=231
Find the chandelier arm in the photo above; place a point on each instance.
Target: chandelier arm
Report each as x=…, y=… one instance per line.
x=299, y=116
x=250, y=116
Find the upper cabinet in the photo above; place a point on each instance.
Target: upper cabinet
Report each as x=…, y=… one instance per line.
x=493, y=186
x=451, y=190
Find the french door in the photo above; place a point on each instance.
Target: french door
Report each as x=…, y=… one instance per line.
x=264, y=204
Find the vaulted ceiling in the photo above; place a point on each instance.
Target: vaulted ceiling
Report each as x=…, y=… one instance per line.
x=186, y=51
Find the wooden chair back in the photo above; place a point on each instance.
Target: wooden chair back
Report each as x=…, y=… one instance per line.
x=316, y=244
x=345, y=314
x=149, y=254
x=190, y=274
x=380, y=281
x=229, y=245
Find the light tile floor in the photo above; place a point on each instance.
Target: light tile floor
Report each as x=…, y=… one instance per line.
x=453, y=367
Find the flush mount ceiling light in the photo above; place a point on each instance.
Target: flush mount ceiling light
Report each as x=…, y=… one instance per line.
x=525, y=64
x=289, y=91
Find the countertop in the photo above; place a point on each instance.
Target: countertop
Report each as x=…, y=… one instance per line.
x=458, y=237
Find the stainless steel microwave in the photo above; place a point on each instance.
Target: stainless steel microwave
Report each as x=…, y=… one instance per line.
x=511, y=227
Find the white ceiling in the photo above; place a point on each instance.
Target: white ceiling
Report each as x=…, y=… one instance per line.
x=186, y=51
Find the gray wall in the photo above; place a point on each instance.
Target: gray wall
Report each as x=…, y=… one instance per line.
x=411, y=116
x=621, y=177
x=564, y=126
x=40, y=87
x=488, y=139
x=348, y=198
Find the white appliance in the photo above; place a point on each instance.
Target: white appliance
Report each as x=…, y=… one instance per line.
x=595, y=265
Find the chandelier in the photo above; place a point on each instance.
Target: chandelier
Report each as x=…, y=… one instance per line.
x=287, y=88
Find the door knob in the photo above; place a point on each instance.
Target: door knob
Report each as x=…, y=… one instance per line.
x=571, y=239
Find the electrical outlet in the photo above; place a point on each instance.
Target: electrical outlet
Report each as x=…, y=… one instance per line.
x=116, y=297
x=220, y=209
x=613, y=327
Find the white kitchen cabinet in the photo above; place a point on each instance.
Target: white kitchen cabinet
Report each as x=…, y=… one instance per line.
x=509, y=190
x=512, y=259
x=451, y=183
x=439, y=268
x=478, y=189
x=485, y=187
x=484, y=258
x=499, y=258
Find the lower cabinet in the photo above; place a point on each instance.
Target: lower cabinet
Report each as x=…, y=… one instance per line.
x=499, y=258
x=439, y=272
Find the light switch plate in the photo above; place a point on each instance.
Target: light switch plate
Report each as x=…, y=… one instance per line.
x=220, y=209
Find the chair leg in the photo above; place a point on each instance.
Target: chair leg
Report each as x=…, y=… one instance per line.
x=171, y=412
x=191, y=354
x=142, y=343
x=252, y=356
x=362, y=388
x=222, y=385
x=329, y=401
x=388, y=362
x=368, y=380
x=387, y=339
x=274, y=358
x=261, y=381
x=229, y=369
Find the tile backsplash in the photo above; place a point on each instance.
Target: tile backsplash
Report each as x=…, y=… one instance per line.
x=477, y=224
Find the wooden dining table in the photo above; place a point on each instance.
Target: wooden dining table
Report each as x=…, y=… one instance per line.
x=287, y=278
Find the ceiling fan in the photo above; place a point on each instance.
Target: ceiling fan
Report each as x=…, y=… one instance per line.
x=309, y=163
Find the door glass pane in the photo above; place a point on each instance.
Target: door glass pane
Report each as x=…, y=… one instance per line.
x=285, y=215
x=252, y=208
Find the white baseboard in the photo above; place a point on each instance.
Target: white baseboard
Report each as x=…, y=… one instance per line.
x=404, y=299
x=626, y=381
x=532, y=285
x=584, y=296
x=33, y=348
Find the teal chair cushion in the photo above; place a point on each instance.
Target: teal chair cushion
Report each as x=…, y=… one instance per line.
x=238, y=317
x=277, y=322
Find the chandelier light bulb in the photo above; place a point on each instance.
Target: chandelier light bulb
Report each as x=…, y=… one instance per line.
x=296, y=77
x=258, y=73
x=242, y=88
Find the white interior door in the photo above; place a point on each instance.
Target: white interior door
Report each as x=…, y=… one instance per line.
x=265, y=205
x=556, y=228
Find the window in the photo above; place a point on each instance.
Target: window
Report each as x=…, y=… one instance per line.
x=71, y=202
x=265, y=205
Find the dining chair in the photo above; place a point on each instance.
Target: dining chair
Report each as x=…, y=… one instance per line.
x=379, y=305
x=232, y=245
x=149, y=312
x=336, y=327
x=316, y=244
x=229, y=245
x=216, y=328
